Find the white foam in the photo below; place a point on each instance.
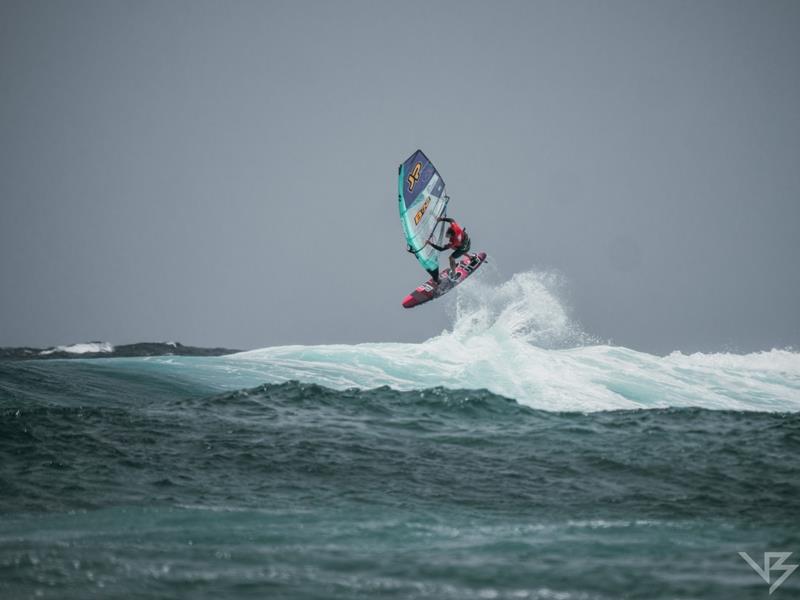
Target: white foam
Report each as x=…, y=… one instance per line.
x=85, y=348
x=516, y=339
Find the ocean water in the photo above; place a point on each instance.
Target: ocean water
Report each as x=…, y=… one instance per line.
x=510, y=456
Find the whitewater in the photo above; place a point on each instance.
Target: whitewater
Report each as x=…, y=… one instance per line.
x=515, y=339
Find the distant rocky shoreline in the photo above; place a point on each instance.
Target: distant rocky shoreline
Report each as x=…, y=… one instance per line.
x=106, y=350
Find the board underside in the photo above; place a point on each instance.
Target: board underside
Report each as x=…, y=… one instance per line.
x=465, y=266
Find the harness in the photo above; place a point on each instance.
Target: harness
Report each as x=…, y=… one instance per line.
x=465, y=243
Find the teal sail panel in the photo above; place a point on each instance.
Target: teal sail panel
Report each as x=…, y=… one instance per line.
x=422, y=200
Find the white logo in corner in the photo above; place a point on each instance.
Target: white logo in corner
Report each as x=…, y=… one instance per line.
x=769, y=566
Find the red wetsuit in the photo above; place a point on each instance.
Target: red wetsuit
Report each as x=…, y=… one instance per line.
x=459, y=240
x=458, y=236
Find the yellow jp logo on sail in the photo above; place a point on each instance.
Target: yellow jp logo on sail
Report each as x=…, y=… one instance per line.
x=412, y=178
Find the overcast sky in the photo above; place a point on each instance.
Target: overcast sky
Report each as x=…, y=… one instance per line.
x=224, y=173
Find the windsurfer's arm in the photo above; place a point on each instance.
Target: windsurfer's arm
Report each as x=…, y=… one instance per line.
x=439, y=248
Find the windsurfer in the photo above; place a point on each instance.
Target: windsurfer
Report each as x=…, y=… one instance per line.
x=458, y=241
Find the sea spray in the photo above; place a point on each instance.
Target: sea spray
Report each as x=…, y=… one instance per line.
x=528, y=308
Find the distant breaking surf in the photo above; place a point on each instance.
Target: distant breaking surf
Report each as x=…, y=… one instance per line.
x=85, y=348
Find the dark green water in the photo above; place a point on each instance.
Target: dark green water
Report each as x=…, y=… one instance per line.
x=116, y=483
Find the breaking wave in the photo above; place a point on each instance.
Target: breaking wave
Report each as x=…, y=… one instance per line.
x=517, y=339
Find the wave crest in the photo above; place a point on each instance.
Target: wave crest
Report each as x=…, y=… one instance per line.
x=516, y=339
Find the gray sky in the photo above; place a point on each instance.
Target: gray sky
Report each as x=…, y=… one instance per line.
x=224, y=173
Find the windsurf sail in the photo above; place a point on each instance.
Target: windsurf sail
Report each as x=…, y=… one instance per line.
x=422, y=201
